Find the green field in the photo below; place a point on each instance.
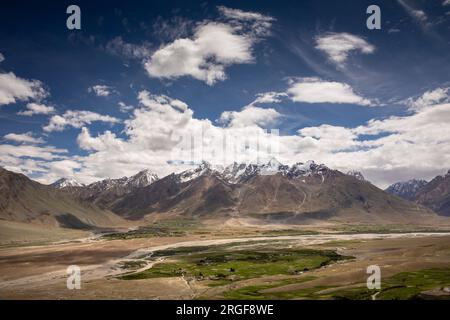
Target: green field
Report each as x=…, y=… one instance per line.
x=402, y=286
x=223, y=267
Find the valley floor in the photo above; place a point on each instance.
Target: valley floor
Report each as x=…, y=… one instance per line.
x=195, y=266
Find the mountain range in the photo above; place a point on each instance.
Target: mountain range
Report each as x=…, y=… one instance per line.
x=106, y=193
x=270, y=192
x=434, y=194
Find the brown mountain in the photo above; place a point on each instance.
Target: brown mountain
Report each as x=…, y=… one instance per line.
x=25, y=200
x=436, y=195
x=106, y=192
x=272, y=191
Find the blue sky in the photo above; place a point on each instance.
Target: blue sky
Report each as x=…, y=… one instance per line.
x=76, y=101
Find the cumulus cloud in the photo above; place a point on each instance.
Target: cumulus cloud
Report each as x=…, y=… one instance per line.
x=104, y=141
x=339, y=46
x=163, y=135
x=76, y=119
x=101, y=90
x=36, y=108
x=205, y=57
x=23, y=138
x=200, y=50
x=385, y=150
x=162, y=130
x=315, y=90
x=13, y=89
x=250, y=116
x=446, y=3
x=2, y=57
x=388, y=150
x=213, y=47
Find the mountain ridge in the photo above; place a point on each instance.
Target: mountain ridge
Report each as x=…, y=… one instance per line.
x=434, y=194
x=27, y=201
x=303, y=190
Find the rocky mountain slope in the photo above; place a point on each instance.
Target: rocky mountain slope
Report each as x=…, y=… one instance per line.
x=407, y=189
x=268, y=192
x=434, y=194
x=271, y=191
x=27, y=201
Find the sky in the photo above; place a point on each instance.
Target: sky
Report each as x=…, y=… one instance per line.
x=164, y=85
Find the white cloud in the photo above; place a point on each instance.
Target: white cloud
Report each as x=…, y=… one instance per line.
x=48, y=162
x=31, y=151
x=446, y=3
x=36, y=108
x=414, y=146
x=104, y=141
x=431, y=97
x=250, y=116
x=76, y=119
x=243, y=15
x=269, y=97
x=331, y=138
x=205, y=57
x=13, y=89
x=315, y=90
x=338, y=46
x=101, y=90
x=162, y=132
x=2, y=57
x=23, y=138
x=123, y=107
x=61, y=168
x=387, y=150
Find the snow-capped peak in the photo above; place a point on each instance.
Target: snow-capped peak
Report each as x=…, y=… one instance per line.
x=188, y=175
x=308, y=168
x=273, y=166
x=274, y=163
x=141, y=179
x=66, y=182
x=240, y=172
